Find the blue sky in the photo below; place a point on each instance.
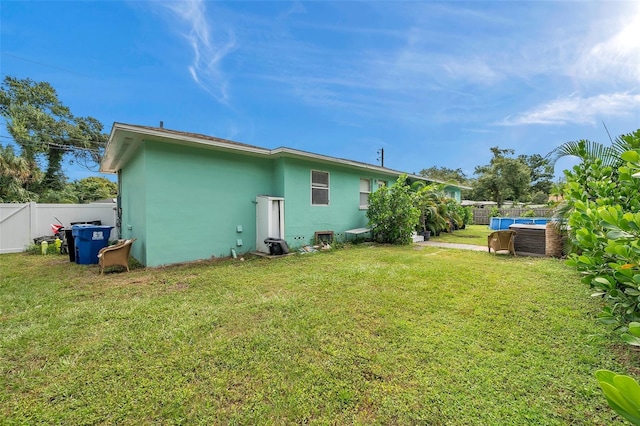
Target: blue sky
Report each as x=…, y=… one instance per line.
x=433, y=83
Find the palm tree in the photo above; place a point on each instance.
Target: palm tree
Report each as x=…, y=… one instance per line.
x=588, y=151
x=15, y=177
x=431, y=202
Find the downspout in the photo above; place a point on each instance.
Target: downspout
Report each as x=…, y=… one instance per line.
x=119, y=207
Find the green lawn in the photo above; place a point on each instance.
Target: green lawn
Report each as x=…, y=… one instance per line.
x=472, y=234
x=364, y=335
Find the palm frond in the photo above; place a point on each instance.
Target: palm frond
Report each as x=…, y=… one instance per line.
x=627, y=142
x=586, y=150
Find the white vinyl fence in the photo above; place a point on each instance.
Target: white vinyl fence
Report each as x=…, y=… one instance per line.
x=21, y=223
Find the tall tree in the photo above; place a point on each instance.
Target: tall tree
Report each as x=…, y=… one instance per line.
x=94, y=188
x=46, y=130
x=444, y=174
x=541, y=172
x=503, y=178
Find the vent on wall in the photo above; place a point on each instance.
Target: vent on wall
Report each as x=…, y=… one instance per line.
x=324, y=236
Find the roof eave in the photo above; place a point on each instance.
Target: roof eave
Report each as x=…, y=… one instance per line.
x=125, y=139
x=295, y=153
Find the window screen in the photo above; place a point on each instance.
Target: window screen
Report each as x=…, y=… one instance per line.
x=319, y=188
x=365, y=189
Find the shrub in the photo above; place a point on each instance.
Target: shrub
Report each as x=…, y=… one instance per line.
x=602, y=205
x=392, y=214
x=37, y=249
x=622, y=393
x=467, y=215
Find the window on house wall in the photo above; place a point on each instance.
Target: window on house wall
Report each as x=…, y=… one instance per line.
x=365, y=190
x=380, y=184
x=319, y=188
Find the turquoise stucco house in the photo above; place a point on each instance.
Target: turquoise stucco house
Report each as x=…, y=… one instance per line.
x=186, y=196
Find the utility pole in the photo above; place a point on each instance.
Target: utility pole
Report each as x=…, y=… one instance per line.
x=381, y=156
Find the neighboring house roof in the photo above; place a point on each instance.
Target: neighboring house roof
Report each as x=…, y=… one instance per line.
x=125, y=139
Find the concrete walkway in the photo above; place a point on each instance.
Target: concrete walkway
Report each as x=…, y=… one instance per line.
x=470, y=247
x=452, y=246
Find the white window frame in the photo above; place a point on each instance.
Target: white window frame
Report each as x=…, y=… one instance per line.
x=380, y=183
x=320, y=186
x=368, y=191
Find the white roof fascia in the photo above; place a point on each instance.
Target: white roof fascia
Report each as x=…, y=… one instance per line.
x=194, y=140
x=159, y=134
x=325, y=158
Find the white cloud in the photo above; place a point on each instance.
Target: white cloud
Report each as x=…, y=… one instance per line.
x=616, y=54
x=578, y=110
x=208, y=53
x=471, y=70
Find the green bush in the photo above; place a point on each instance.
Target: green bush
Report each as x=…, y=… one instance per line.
x=622, y=393
x=602, y=205
x=467, y=215
x=529, y=213
x=37, y=249
x=392, y=214
x=494, y=212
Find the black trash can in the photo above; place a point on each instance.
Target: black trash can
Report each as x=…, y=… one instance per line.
x=68, y=236
x=71, y=246
x=88, y=222
x=277, y=246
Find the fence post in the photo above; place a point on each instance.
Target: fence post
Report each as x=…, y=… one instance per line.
x=33, y=218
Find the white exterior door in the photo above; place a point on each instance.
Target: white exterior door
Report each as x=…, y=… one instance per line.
x=269, y=220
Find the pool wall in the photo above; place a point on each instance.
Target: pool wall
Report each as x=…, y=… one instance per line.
x=499, y=223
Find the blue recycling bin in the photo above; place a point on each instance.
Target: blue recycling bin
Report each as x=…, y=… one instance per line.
x=89, y=239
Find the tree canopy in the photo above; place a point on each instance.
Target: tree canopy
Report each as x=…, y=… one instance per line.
x=46, y=132
x=95, y=188
x=541, y=172
x=503, y=178
x=445, y=174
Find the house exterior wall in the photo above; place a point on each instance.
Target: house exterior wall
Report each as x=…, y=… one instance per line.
x=454, y=192
x=279, y=177
x=133, y=201
x=302, y=219
x=184, y=203
x=195, y=199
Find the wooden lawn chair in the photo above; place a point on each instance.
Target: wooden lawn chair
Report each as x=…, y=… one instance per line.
x=115, y=255
x=501, y=240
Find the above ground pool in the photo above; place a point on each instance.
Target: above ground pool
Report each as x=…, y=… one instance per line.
x=498, y=223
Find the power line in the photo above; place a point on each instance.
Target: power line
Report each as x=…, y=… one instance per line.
x=31, y=142
x=82, y=160
x=46, y=65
